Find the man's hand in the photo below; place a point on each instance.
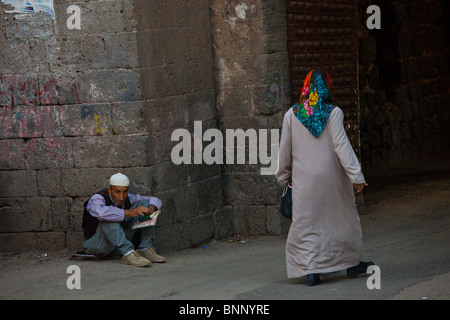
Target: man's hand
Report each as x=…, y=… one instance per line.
x=152, y=209
x=139, y=211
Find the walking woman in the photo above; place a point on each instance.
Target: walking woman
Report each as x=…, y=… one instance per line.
x=316, y=156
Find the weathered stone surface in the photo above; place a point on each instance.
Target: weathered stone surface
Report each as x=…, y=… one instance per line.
x=251, y=189
x=84, y=182
x=276, y=223
x=17, y=242
x=49, y=183
x=50, y=241
x=79, y=53
x=121, y=50
x=25, y=214
x=18, y=183
x=250, y=220
x=110, y=151
x=224, y=223
x=60, y=211
x=399, y=121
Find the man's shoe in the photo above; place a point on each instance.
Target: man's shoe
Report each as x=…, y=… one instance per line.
x=361, y=268
x=313, y=279
x=150, y=254
x=135, y=259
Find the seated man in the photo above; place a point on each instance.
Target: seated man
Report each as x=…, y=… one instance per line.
x=108, y=218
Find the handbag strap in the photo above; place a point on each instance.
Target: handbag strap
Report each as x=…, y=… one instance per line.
x=286, y=189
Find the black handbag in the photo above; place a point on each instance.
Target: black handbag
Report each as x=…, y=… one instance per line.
x=286, y=202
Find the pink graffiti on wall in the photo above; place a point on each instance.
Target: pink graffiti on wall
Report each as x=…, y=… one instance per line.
x=31, y=91
x=30, y=121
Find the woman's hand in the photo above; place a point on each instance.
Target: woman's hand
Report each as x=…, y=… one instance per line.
x=359, y=186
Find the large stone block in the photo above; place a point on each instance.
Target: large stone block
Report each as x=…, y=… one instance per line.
x=74, y=240
x=37, y=90
x=141, y=180
x=76, y=53
x=198, y=40
x=16, y=57
x=171, y=206
x=39, y=61
x=46, y=241
x=61, y=211
x=86, y=120
x=247, y=189
x=159, y=146
x=85, y=182
x=49, y=183
x=17, y=242
x=58, y=88
x=128, y=118
x=36, y=25
x=276, y=223
x=30, y=121
x=11, y=156
x=200, y=172
x=235, y=101
x=224, y=223
x=76, y=212
x=210, y=197
x=250, y=220
x=121, y=50
x=160, y=46
x=172, y=237
x=270, y=99
x=18, y=183
x=110, y=151
x=202, y=75
x=188, y=202
x=201, y=229
x=49, y=153
x=96, y=86
x=168, y=113
x=201, y=106
x=25, y=214
x=169, y=176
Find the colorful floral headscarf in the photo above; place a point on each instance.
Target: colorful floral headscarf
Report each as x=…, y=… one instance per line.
x=315, y=104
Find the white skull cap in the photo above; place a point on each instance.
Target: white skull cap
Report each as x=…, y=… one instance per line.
x=119, y=179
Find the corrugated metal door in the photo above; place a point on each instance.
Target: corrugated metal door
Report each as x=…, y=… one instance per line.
x=323, y=34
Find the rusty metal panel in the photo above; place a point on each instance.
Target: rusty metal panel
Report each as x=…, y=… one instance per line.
x=323, y=34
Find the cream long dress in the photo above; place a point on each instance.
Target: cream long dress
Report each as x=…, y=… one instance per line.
x=325, y=234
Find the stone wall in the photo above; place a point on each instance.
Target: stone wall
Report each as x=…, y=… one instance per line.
x=252, y=92
x=176, y=68
x=403, y=82
x=64, y=94
x=78, y=105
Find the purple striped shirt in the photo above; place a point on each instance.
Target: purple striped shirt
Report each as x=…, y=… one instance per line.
x=97, y=207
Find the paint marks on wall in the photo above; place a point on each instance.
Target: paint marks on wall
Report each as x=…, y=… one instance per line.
x=34, y=91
